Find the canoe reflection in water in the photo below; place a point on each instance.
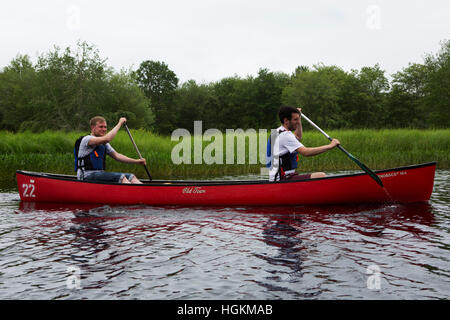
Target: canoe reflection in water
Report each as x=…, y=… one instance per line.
x=294, y=252
x=310, y=239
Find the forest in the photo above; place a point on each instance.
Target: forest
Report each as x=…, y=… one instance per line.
x=64, y=88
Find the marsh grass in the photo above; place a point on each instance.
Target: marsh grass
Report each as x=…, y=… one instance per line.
x=378, y=149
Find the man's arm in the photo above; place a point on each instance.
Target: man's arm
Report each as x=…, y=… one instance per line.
x=122, y=158
x=308, y=152
x=95, y=141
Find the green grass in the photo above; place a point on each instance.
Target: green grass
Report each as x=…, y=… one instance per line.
x=378, y=149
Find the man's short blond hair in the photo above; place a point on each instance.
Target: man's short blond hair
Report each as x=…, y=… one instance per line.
x=96, y=119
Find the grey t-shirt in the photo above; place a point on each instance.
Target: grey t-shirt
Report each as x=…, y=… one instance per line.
x=84, y=150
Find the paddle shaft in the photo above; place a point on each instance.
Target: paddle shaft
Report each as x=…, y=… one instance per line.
x=359, y=163
x=325, y=134
x=137, y=150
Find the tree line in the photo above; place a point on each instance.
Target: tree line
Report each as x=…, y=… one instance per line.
x=65, y=88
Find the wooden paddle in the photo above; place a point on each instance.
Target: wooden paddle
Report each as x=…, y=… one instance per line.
x=137, y=150
x=359, y=163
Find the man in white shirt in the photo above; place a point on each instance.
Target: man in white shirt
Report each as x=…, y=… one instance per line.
x=287, y=146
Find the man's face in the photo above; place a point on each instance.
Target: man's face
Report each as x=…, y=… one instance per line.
x=99, y=130
x=293, y=123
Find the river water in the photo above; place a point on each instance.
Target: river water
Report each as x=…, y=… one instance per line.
x=141, y=252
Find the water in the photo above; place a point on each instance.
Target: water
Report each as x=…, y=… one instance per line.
x=141, y=252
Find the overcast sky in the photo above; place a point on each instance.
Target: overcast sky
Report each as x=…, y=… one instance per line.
x=209, y=40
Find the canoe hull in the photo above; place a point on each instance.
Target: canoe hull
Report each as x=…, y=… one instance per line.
x=402, y=185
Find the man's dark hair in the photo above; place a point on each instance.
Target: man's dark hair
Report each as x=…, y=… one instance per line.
x=286, y=112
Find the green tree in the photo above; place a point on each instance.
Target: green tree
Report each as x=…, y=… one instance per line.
x=72, y=83
x=236, y=103
x=18, y=83
x=269, y=88
x=318, y=92
x=195, y=102
x=437, y=87
x=365, y=97
x=339, y=99
x=406, y=98
x=124, y=98
x=159, y=84
x=65, y=89
x=420, y=94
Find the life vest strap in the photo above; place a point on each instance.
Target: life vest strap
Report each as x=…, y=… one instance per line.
x=96, y=160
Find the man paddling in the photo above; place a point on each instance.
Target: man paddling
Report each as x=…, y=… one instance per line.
x=91, y=150
x=287, y=146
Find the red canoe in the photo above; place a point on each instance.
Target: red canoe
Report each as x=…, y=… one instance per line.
x=401, y=185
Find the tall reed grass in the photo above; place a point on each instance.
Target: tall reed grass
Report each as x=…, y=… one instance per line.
x=378, y=149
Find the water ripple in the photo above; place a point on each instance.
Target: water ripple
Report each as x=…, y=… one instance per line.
x=140, y=252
